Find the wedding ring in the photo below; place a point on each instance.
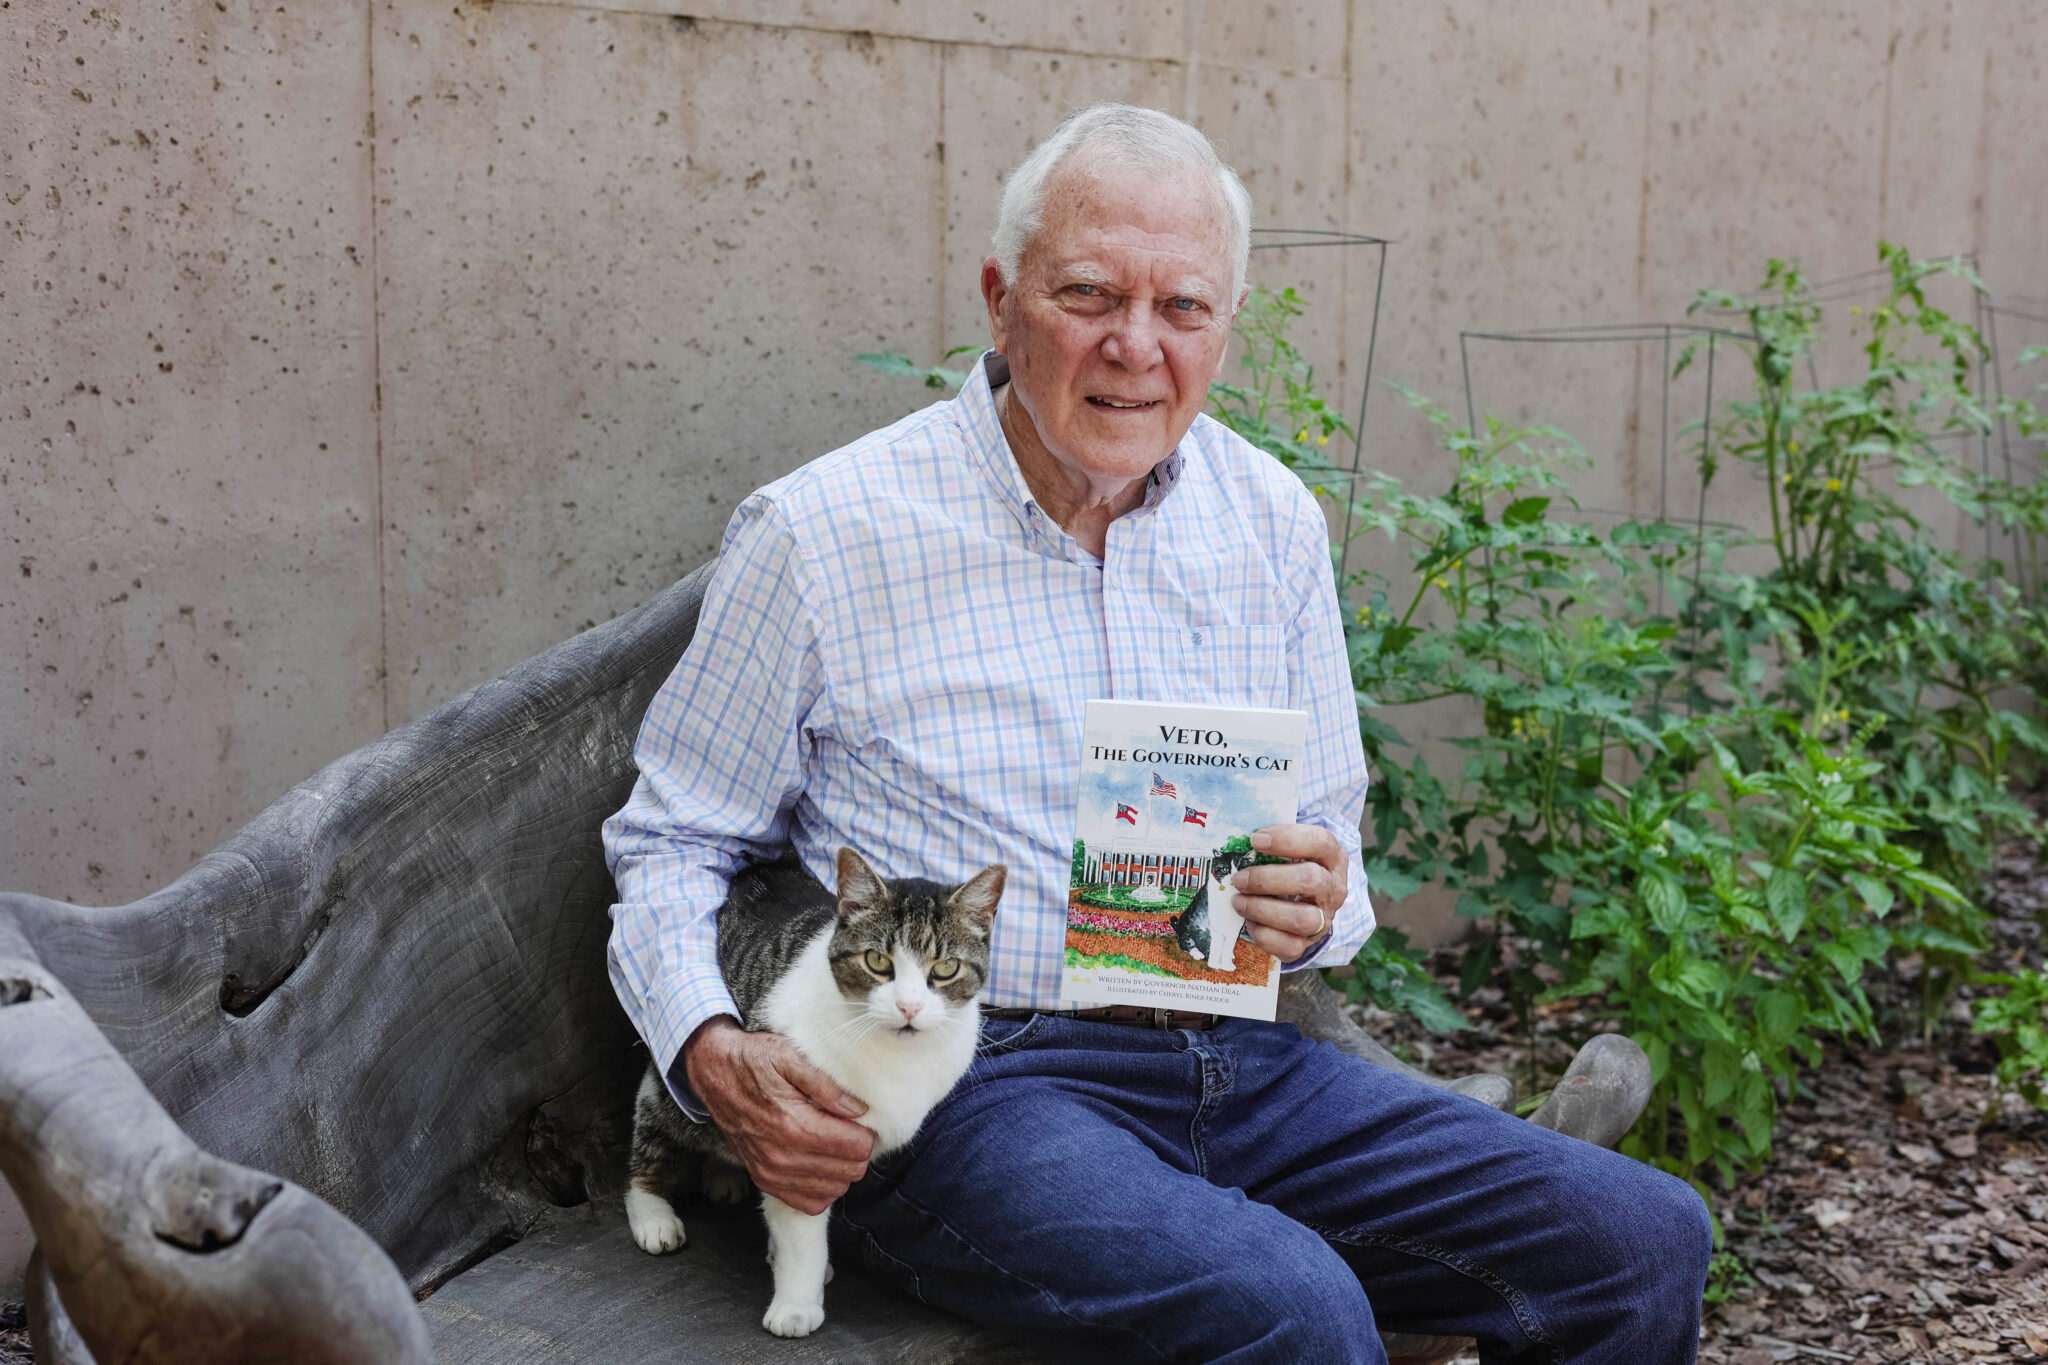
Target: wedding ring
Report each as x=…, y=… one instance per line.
x=1322, y=923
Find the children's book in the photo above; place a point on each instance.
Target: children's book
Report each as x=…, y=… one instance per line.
x=1169, y=798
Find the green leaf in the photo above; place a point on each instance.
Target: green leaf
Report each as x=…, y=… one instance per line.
x=1664, y=898
x=1723, y=1067
x=1523, y=511
x=1433, y=1010
x=1756, y=1106
x=1843, y=959
x=1777, y=1017
x=1599, y=921
x=1389, y=884
x=1875, y=893
x=1689, y=979
x=1785, y=893
x=1659, y=1053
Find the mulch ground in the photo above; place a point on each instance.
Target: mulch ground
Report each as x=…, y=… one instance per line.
x=1904, y=1213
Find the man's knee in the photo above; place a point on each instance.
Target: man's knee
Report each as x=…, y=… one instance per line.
x=1674, y=1235
x=1655, y=1235
x=1304, y=1307
x=1267, y=1289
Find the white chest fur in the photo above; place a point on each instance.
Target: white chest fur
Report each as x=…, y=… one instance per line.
x=899, y=1073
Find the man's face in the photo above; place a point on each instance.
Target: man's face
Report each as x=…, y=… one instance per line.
x=1119, y=317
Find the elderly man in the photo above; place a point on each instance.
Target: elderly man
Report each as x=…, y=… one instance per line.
x=895, y=653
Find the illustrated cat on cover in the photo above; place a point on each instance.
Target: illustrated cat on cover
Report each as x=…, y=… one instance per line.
x=878, y=988
x=1191, y=927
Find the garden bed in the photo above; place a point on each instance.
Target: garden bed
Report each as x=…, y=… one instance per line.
x=1904, y=1215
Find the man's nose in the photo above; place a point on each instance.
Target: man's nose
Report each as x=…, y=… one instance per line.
x=1133, y=340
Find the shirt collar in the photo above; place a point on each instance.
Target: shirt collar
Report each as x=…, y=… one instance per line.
x=976, y=406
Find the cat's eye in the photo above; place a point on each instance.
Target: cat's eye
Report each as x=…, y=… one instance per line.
x=879, y=962
x=945, y=969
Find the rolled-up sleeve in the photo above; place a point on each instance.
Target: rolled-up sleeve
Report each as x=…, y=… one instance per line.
x=1333, y=776
x=722, y=755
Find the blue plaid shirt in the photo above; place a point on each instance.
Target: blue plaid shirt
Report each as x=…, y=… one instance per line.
x=895, y=653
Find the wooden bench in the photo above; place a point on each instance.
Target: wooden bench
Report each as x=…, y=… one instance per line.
x=356, y=1087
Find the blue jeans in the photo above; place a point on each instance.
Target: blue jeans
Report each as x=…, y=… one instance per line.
x=1243, y=1194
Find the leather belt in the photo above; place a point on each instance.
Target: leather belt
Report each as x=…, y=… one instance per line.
x=1135, y=1016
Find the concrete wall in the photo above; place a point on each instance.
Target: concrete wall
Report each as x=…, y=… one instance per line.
x=351, y=352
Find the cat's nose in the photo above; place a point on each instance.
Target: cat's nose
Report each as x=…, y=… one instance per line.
x=909, y=1009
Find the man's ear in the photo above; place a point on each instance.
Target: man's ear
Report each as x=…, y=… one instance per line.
x=861, y=889
x=993, y=293
x=977, y=898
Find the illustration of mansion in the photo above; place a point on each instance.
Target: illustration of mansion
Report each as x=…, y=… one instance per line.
x=1130, y=867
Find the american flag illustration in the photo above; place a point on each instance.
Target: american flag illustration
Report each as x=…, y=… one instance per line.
x=1161, y=787
x=1195, y=817
x=1127, y=813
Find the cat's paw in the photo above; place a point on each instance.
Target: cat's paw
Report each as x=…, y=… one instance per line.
x=794, y=1318
x=725, y=1184
x=653, y=1220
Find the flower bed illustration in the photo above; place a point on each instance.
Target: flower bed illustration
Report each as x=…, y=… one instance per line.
x=1129, y=925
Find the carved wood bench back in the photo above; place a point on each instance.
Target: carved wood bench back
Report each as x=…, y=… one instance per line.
x=391, y=986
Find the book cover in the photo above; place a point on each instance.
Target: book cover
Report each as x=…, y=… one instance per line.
x=1168, y=799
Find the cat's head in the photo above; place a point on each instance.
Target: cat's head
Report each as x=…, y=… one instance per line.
x=912, y=953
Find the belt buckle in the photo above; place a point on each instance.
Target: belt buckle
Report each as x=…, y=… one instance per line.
x=1162, y=1019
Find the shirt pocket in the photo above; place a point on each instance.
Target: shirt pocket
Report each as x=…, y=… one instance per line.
x=1234, y=665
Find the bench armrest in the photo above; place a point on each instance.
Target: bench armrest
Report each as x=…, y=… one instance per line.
x=157, y=1249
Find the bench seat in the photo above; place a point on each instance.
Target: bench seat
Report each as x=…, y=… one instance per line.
x=579, y=1292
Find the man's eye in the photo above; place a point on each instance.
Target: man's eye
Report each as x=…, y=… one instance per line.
x=1185, y=305
x=1087, y=291
x=880, y=963
x=945, y=969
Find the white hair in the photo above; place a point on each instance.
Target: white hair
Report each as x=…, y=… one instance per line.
x=1126, y=137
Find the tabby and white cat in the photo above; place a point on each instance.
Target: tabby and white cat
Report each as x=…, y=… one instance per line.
x=878, y=988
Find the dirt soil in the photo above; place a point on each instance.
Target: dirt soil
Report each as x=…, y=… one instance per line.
x=1904, y=1214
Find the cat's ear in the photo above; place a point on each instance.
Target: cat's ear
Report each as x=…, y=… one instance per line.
x=861, y=889
x=977, y=898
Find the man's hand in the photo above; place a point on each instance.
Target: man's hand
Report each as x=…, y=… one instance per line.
x=789, y=1123
x=1288, y=907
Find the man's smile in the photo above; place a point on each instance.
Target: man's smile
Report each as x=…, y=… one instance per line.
x=1124, y=404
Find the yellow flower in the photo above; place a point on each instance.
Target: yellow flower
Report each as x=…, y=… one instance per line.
x=1856, y=311
x=1301, y=435
x=1834, y=485
x=1784, y=478
x=1792, y=446
x=1442, y=584
x=1323, y=441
